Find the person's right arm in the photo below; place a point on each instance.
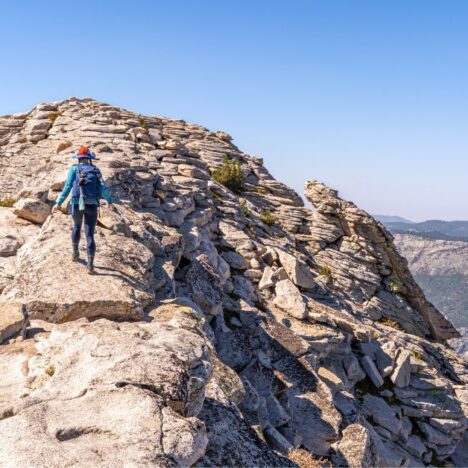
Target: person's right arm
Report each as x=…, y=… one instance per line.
x=68, y=185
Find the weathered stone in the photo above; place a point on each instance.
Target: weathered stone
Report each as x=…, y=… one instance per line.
x=415, y=446
x=13, y=320
x=233, y=349
x=236, y=261
x=7, y=271
x=276, y=413
x=204, y=285
x=298, y=271
x=448, y=425
x=43, y=265
x=402, y=371
x=381, y=413
x=32, y=210
x=358, y=273
x=385, y=358
x=277, y=440
x=244, y=289
x=372, y=371
x=231, y=441
x=14, y=232
x=433, y=435
x=460, y=455
x=253, y=275
x=267, y=279
x=356, y=449
x=353, y=370
x=290, y=299
x=269, y=256
x=123, y=406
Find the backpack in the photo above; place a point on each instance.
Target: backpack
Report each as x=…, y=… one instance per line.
x=88, y=183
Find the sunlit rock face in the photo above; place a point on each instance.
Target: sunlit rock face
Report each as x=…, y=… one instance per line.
x=221, y=328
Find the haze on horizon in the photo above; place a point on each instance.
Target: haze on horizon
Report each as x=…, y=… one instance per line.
x=368, y=97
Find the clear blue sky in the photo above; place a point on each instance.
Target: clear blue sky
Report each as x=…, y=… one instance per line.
x=370, y=97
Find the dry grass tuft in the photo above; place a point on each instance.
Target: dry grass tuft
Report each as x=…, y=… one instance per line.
x=53, y=116
x=306, y=460
x=7, y=202
x=63, y=145
x=391, y=323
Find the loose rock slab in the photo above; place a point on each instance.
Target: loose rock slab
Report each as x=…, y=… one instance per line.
x=12, y=320
x=54, y=288
x=107, y=394
x=290, y=299
x=32, y=210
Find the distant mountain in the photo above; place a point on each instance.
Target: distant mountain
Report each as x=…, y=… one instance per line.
x=433, y=229
x=392, y=219
x=437, y=254
x=441, y=269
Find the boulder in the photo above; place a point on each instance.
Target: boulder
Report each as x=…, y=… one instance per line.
x=402, y=371
x=233, y=349
x=267, y=279
x=433, y=435
x=381, y=413
x=353, y=370
x=204, y=285
x=415, y=446
x=235, y=260
x=297, y=270
x=277, y=415
x=13, y=320
x=385, y=358
x=356, y=449
x=289, y=298
x=32, y=210
x=13, y=232
x=372, y=371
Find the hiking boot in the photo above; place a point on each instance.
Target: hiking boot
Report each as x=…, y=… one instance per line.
x=75, y=254
x=90, y=266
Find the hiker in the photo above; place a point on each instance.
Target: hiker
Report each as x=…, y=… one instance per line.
x=86, y=184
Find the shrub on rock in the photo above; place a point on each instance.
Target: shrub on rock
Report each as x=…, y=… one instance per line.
x=230, y=175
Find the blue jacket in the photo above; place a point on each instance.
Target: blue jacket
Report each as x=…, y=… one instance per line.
x=71, y=176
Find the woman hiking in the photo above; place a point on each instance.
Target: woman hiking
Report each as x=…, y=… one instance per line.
x=85, y=182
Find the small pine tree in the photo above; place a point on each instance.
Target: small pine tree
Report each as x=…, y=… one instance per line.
x=143, y=122
x=230, y=175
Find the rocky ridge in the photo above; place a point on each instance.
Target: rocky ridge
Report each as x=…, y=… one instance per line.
x=208, y=336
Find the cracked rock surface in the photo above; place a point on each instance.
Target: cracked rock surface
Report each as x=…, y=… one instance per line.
x=208, y=336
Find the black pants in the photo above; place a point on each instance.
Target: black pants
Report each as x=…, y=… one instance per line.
x=90, y=218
